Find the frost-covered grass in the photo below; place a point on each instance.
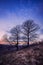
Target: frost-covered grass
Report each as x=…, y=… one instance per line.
x=27, y=56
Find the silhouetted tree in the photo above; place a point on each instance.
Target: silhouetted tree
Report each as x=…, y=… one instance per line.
x=15, y=34
x=29, y=29
x=6, y=39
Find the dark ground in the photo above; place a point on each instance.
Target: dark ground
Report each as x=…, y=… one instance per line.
x=32, y=55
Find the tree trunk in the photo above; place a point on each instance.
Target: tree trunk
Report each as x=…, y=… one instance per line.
x=28, y=41
x=17, y=43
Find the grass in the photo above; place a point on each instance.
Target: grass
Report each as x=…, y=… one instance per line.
x=27, y=56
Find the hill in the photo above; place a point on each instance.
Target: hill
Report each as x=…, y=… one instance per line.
x=32, y=55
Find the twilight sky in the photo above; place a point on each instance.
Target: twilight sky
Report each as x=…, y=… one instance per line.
x=15, y=12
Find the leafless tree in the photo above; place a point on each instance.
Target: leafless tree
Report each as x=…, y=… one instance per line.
x=15, y=34
x=6, y=39
x=29, y=29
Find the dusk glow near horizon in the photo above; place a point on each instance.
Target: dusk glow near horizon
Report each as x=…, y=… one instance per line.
x=15, y=12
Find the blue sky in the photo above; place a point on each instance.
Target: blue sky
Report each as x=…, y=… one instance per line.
x=15, y=12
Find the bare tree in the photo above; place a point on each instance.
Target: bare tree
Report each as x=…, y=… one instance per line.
x=15, y=34
x=6, y=39
x=29, y=29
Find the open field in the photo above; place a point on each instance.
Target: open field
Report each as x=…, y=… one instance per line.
x=28, y=56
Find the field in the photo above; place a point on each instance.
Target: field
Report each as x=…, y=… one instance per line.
x=32, y=55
